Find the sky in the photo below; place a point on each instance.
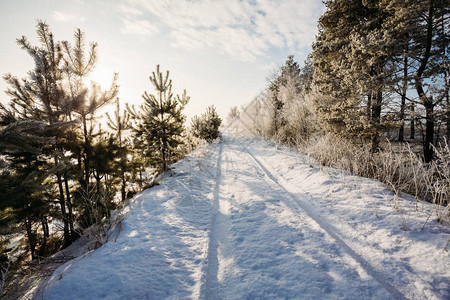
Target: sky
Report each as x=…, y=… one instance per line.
x=220, y=51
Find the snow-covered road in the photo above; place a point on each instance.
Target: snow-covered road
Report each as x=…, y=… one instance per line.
x=244, y=219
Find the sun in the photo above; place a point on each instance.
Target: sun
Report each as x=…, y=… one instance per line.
x=101, y=75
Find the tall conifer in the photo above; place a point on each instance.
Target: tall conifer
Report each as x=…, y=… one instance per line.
x=120, y=123
x=41, y=97
x=160, y=121
x=84, y=102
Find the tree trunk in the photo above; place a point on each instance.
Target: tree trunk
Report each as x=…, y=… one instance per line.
x=428, y=152
x=412, y=127
x=122, y=160
x=46, y=233
x=427, y=101
x=448, y=119
x=376, y=118
x=69, y=205
x=31, y=238
x=45, y=229
x=123, y=187
x=369, y=107
x=62, y=204
x=97, y=181
x=447, y=107
x=87, y=154
x=163, y=139
x=437, y=134
x=401, y=131
x=79, y=164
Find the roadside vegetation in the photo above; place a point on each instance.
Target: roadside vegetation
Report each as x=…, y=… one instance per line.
x=372, y=98
x=63, y=175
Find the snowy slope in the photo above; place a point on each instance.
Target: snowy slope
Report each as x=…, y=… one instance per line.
x=243, y=219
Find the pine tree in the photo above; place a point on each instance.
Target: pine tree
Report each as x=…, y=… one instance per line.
x=23, y=136
x=22, y=193
x=353, y=58
x=121, y=123
x=283, y=89
x=160, y=121
x=425, y=44
x=41, y=97
x=337, y=102
x=425, y=23
x=207, y=125
x=404, y=89
x=84, y=102
x=106, y=155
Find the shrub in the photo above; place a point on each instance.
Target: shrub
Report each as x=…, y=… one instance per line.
x=401, y=169
x=206, y=126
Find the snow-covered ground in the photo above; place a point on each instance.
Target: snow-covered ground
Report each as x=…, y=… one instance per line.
x=245, y=219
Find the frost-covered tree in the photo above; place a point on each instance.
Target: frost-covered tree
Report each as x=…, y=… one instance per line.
x=367, y=49
x=233, y=114
x=356, y=58
x=283, y=88
x=256, y=117
x=286, y=96
x=337, y=102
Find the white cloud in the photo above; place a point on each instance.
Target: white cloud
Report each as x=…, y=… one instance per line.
x=66, y=18
x=129, y=10
x=236, y=42
x=138, y=27
x=242, y=29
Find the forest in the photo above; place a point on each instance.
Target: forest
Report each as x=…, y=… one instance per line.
x=61, y=172
x=372, y=98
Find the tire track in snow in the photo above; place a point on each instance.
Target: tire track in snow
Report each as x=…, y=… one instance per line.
x=328, y=228
x=211, y=288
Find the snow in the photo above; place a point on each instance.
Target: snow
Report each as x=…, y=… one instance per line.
x=244, y=219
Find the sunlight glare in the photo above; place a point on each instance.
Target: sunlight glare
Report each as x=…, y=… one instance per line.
x=100, y=75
